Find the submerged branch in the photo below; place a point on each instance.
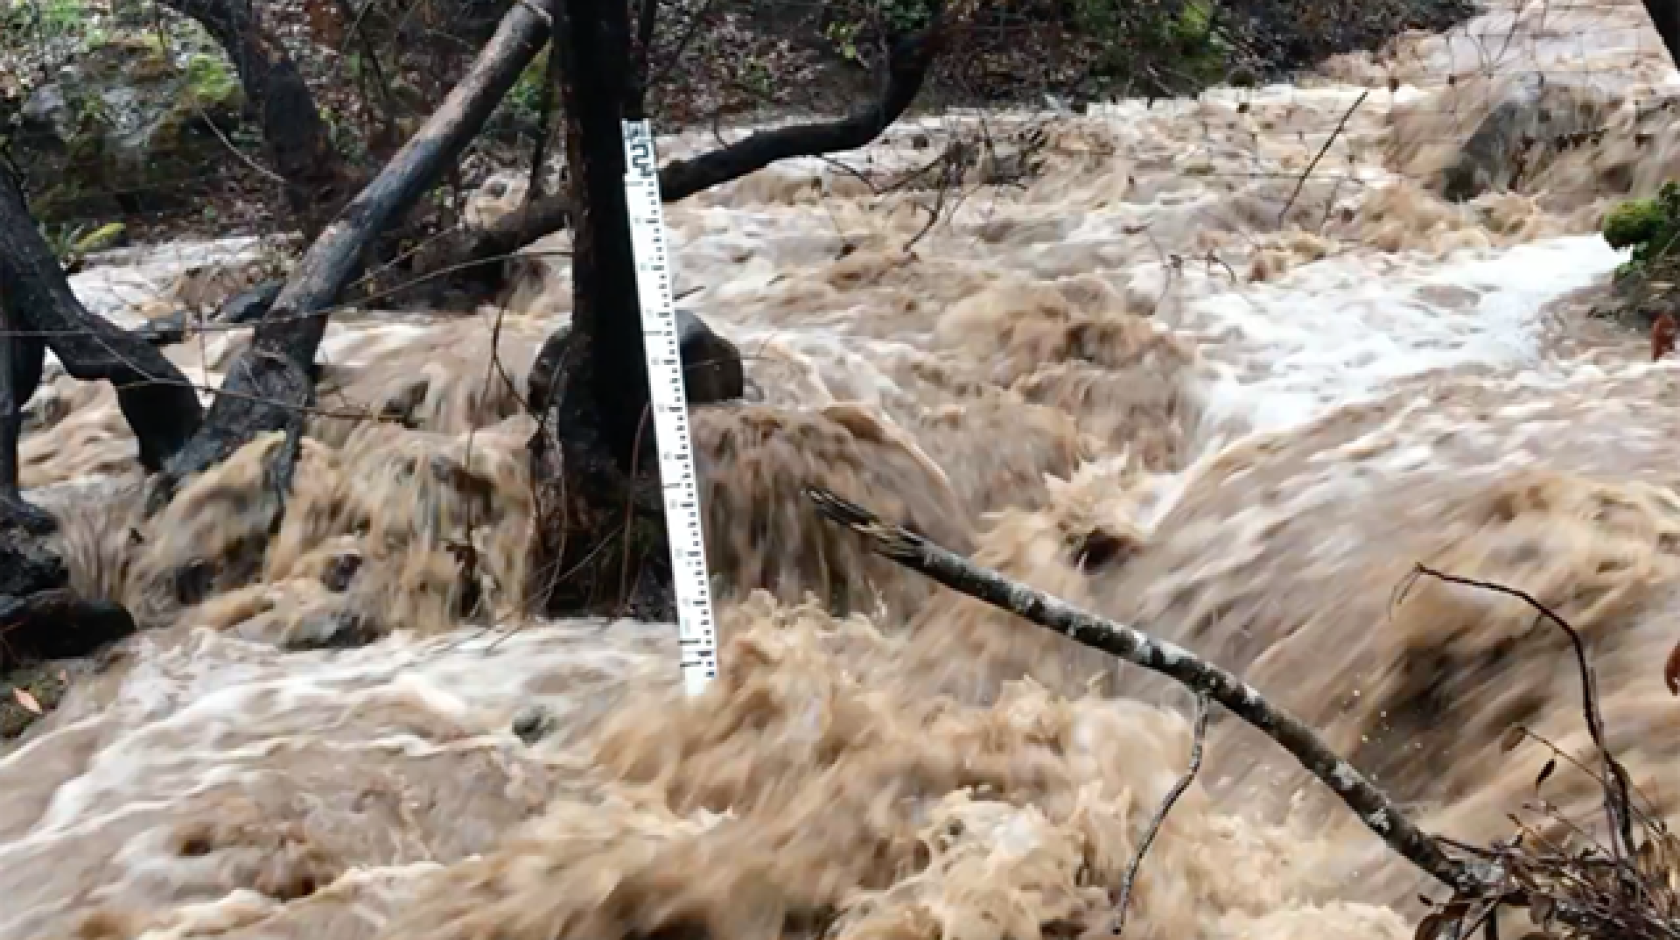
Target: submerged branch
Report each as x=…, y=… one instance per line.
x=1374, y=809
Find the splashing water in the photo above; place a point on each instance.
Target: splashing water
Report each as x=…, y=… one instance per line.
x=1161, y=380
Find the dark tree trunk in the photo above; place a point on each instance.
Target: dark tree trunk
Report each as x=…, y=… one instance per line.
x=21, y=359
x=271, y=387
x=586, y=455
x=40, y=617
x=161, y=406
x=1665, y=16
x=601, y=544
x=909, y=61
x=316, y=182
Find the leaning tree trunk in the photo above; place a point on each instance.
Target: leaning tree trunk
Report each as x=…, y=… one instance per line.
x=271, y=387
x=160, y=404
x=314, y=177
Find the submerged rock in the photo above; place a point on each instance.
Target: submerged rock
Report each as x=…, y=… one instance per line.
x=1532, y=119
x=533, y=723
x=712, y=369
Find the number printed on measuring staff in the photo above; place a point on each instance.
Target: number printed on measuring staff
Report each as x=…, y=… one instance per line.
x=668, y=401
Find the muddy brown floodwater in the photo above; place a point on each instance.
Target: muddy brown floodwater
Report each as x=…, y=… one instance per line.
x=1266, y=408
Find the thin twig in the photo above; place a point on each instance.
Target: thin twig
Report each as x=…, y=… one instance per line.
x=1617, y=802
x=1337, y=132
x=1196, y=742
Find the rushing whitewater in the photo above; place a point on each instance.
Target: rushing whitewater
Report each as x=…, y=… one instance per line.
x=1163, y=378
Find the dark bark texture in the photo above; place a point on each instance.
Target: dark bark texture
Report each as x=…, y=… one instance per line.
x=270, y=387
x=316, y=180
x=160, y=405
x=591, y=379
x=1665, y=16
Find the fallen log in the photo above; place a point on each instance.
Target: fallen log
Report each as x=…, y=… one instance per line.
x=1371, y=805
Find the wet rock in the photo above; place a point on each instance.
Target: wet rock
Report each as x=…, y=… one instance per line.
x=58, y=624
x=194, y=581
x=712, y=370
x=248, y=306
x=539, y=384
x=1533, y=119
x=533, y=723
x=120, y=129
x=341, y=571
x=26, y=566
x=335, y=630
x=167, y=330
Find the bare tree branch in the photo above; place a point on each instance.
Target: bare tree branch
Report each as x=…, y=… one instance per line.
x=1374, y=809
x=910, y=60
x=1196, y=742
x=267, y=388
x=1618, y=804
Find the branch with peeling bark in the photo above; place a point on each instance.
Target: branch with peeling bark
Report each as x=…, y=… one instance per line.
x=1371, y=805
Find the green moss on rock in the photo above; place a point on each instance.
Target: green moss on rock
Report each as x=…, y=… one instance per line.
x=213, y=84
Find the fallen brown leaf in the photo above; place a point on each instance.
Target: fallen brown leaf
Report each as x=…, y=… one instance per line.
x=27, y=701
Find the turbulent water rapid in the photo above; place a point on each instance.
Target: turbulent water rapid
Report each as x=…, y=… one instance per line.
x=1162, y=378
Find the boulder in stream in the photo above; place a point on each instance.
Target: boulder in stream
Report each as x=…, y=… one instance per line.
x=125, y=127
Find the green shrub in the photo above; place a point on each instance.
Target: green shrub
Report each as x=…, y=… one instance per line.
x=1651, y=227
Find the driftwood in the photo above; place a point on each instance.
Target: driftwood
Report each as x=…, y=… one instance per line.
x=270, y=387
x=1374, y=809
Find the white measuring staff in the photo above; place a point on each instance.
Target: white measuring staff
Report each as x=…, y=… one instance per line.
x=668, y=399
